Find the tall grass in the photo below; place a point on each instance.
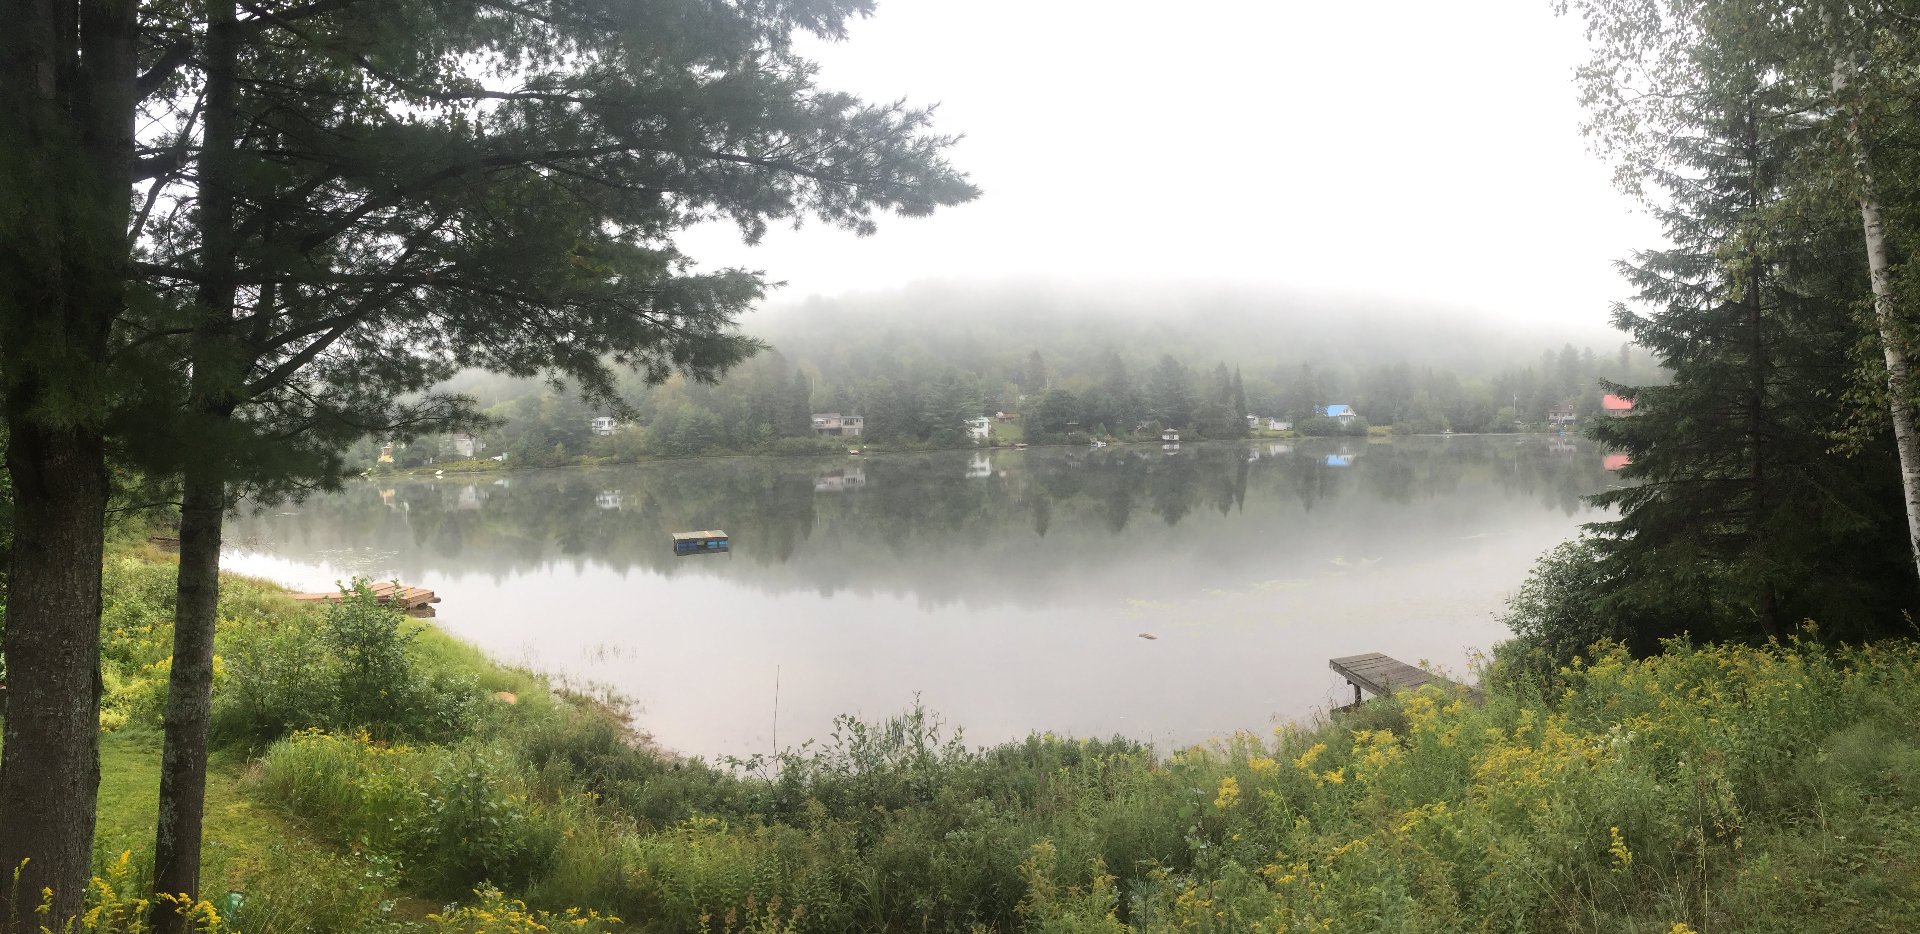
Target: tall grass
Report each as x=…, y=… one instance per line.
x=1708, y=788
x=1717, y=788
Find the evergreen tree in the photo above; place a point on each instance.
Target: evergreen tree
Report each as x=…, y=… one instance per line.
x=1170, y=396
x=1033, y=379
x=335, y=214
x=1744, y=521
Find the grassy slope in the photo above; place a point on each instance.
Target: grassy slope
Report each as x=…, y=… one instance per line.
x=1722, y=788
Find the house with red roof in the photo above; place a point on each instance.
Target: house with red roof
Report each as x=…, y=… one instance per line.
x=1614, y=405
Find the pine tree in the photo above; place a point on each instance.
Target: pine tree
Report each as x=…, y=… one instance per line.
x=1170, y=396
x=335, y=213
x=1743, y=520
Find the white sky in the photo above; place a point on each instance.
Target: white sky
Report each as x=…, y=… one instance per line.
x=1422, y=149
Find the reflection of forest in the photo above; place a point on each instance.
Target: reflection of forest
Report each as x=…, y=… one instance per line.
x=946, y=526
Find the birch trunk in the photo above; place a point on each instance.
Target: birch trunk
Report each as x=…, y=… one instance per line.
x=1879, y=271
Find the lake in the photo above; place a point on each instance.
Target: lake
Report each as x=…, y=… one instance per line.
x=1008, y=591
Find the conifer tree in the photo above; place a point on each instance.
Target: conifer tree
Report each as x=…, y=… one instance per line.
x=1743, y=521
x=337, y=206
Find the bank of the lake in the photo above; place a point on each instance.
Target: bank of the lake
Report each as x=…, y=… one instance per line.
x=1707, y=789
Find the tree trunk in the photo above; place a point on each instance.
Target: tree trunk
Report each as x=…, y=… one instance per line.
x=1879, y=271
x=50, y=769
x=183, y=769
x=183, y=764
x=67, y=75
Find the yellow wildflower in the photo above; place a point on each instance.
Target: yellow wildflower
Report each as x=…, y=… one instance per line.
x=1229, y=793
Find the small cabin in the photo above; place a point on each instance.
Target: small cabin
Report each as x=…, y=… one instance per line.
x=1170, y=435
x=711, y=541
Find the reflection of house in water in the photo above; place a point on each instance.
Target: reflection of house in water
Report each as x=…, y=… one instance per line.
x=386, y=496
x=846, y=478
x=608, y=499
x=1561, y=446
x=1339, y=460
x=469, y=497
x=1275, y=450
x=980, y=465
x=1616, y=460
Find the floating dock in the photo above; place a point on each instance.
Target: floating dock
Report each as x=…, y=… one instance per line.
x=708, y=542
x=416, y=601
x=1381, y=675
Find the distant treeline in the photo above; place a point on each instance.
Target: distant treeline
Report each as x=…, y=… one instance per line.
x=1047, y=376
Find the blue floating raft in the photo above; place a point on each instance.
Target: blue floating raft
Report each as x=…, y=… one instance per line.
x=711, y=541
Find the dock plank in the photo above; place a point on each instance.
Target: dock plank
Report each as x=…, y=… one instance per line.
x=1380, y=674
x=418, y=601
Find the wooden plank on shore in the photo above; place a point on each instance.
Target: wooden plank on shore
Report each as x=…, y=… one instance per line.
x=417, y=600
x=1379, y=674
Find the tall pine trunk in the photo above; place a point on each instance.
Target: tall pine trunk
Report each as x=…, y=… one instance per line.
x=50, y=773
x=1880, y=274
x=67, y=93
x=183, y=768
x=183, y=764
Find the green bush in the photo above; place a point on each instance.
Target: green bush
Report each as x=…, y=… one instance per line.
x=352, y=667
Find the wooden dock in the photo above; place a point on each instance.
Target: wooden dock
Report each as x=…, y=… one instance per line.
x=416, y=601
x=1381, y=675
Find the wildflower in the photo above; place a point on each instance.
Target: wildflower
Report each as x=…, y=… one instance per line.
x=1229, y=793
x=1306, y=760
x=1622, y=857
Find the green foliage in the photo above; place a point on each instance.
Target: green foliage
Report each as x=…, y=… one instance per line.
x=1744, y=517
x=351, y=667
x=1561, y=609
x=1541, y=810
x=1423, y=813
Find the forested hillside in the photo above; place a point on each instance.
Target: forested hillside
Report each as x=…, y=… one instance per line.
x=1062, y=364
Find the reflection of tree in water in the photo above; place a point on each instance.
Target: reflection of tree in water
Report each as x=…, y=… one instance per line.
x=938, y=525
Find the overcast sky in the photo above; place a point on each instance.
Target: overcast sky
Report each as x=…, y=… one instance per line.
x=1422, y=149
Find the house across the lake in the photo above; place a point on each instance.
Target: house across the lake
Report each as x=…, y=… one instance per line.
x=1614, y=405
x=979, y=429
x=604, y=425
x=466, y=445
x=835, y=425
x=1344, y=414
x=1560, y=415
x=1279, y=424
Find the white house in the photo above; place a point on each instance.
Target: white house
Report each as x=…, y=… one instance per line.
x=466, y=445
x=1343, y=413
x=979, y=429
x=1277, y=424
x=835, y=425
x=604, y=425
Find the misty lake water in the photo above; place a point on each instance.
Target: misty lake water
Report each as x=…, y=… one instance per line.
x=1007, y=590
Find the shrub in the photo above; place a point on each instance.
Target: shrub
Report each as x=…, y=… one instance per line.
x=356, y=669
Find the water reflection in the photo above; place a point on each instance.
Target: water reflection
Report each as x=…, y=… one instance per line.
x=1008, y=587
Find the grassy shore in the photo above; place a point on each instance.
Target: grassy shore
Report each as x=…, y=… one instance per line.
x=370, y=777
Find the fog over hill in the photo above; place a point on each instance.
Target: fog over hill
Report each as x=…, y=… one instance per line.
x=966, y=325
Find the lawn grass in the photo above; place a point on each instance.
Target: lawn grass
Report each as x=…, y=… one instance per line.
x=240, y=829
